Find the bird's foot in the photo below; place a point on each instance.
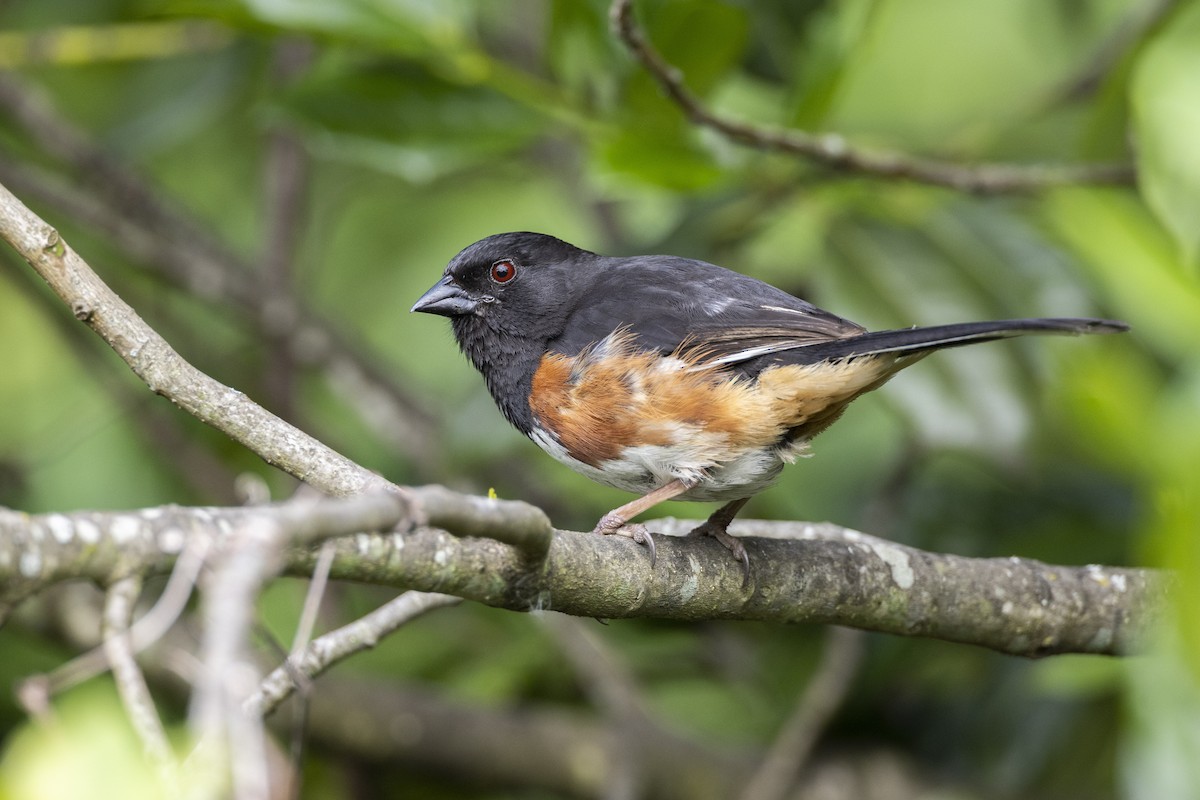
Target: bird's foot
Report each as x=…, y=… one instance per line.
x=730, y=542
x=612, y=524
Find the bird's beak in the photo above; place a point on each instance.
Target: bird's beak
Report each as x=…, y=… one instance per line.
x=447, y=299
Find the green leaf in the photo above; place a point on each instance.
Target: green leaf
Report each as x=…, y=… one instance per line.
x=703, y=39
x=660, y=156
x=1166, y=105
x=401, y=119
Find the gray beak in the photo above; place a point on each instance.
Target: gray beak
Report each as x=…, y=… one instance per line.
x=447, y=299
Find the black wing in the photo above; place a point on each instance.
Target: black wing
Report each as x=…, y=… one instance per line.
x=675, y=304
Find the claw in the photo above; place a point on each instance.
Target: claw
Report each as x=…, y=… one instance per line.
x=715, y=526
x=729, y=542
x=643, y=537
x=612, y=524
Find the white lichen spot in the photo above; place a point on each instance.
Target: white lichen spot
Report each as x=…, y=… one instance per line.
x=60, y=528
x=1118, y=582
x=171, y=541
x=124, y=529
x=31, y=563
x=1007, y=608
x=691, y=584
x=441, y=557
x=897, y=561
x=851, y=535
x=1097, y=574
x=362, y=543
x=87, y=531
x=152, y=513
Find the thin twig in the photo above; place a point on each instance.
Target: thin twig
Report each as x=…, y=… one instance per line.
x=335, y=646
x=832, y=151
x=131, y=684
x=1129, y=34
x=230, y=743
x=312, y=599
x=822, y=697
x=304, y=629
x=147, y=630
x=611, y=686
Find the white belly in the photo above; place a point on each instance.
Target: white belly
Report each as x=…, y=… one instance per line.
x=647, y=467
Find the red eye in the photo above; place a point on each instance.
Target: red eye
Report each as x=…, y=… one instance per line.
x=504, y=271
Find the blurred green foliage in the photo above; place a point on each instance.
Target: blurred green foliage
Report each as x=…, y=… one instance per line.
x=427, y=125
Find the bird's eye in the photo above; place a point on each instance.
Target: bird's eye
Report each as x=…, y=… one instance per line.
x=504, y=271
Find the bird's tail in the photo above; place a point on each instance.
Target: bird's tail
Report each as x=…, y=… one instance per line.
x=918, y=341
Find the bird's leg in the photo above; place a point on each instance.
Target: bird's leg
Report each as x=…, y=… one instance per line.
x=616, y=521
x=715, y=526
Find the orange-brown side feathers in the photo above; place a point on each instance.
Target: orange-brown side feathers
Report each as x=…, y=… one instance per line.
x=614, y=396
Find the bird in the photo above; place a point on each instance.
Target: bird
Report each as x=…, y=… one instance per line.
x=669, y=377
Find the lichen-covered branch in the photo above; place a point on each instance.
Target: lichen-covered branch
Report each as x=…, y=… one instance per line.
x=800, y=573
x=37, y=551
x=808, y=573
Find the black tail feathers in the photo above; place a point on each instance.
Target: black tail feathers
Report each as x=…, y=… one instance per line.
x=922, y=340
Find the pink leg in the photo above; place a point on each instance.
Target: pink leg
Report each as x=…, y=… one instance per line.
x=617, y=520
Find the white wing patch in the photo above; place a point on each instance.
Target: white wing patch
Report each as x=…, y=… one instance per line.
x=749, y=353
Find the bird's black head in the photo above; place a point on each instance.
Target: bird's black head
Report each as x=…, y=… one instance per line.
x=506, y=297
x=513, y=283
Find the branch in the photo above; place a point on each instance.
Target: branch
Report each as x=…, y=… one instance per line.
x=160, y=236
x=834, y=152
x=823, y=574
x=802, y=572
x=165, y=371
x=40, y=550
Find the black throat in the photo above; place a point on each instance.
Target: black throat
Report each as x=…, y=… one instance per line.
x=507, y=363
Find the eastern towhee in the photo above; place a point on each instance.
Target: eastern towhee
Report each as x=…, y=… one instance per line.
x=669, y=377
